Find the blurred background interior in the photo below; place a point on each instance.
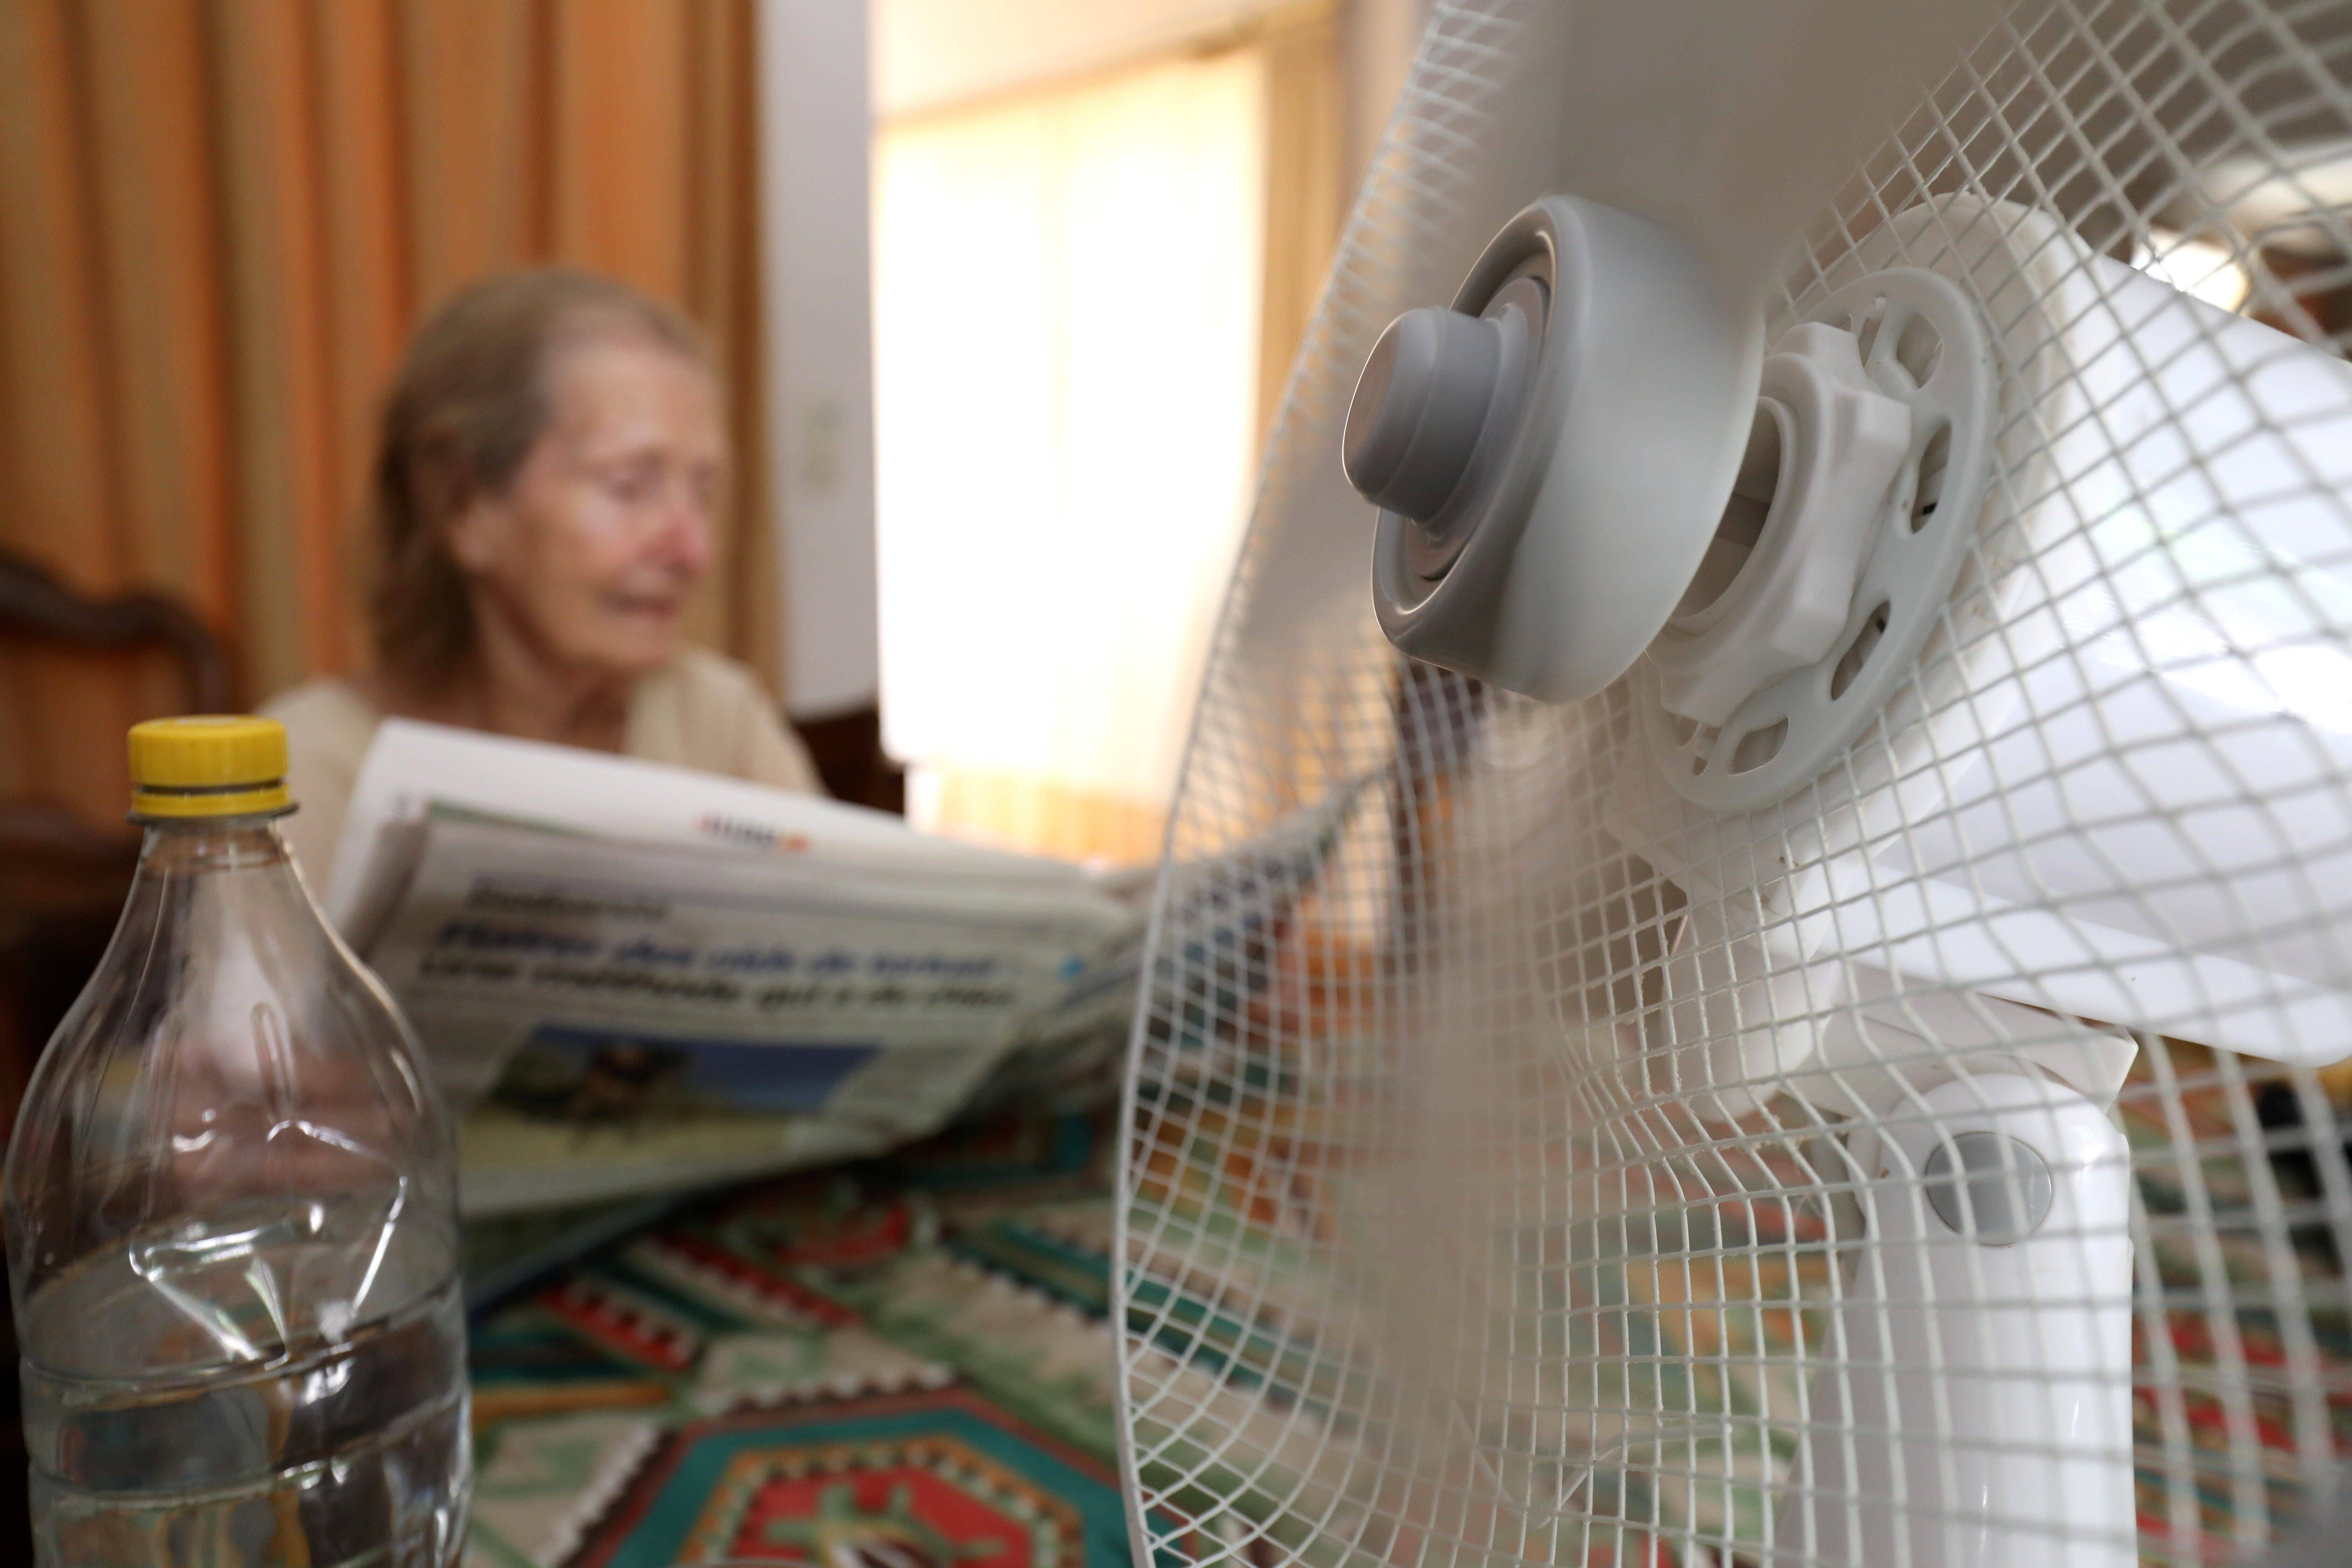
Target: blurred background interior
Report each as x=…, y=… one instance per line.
x=960, y=547
x=985, y=505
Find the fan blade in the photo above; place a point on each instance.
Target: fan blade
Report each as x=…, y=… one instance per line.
x=1734, y=125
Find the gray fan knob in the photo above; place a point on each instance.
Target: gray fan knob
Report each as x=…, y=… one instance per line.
x=1419, y=408
x=1997, y=1189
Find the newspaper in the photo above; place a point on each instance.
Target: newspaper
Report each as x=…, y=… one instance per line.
x=630, y=978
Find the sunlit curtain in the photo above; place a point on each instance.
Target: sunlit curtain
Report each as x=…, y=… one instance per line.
x=1084, y=298
x=218, y=222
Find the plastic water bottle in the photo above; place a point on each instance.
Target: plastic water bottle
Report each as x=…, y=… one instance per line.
x=231, y=1218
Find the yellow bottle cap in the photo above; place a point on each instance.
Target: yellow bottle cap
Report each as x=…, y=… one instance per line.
x=210, y=764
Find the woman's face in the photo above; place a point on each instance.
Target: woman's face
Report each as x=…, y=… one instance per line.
x=591, y=552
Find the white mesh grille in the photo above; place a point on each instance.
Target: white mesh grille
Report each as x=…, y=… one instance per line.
x=1528, y=1166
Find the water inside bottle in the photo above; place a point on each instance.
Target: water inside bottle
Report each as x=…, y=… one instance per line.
x=277, y=1384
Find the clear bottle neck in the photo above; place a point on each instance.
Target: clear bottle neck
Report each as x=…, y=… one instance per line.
x=194, y=845
x=246, y=854
x=221, y=879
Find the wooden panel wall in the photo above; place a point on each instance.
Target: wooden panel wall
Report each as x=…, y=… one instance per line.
x=218, y=221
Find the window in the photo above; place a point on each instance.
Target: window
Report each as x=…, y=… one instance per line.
x=1067, y=300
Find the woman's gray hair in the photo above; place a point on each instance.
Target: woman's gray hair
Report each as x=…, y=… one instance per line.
x=469, y=402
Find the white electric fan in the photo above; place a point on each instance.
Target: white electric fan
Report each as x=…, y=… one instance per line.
x=1779, y=989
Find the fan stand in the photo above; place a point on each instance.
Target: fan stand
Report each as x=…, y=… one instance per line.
x=1977, y=1408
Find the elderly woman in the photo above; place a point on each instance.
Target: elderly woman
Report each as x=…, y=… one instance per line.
x=550, y=458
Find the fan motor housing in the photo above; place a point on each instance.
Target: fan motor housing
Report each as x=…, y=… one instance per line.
x=1586, y=457
x=1552, y=461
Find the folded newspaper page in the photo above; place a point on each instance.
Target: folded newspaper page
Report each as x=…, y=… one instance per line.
x=630, y=978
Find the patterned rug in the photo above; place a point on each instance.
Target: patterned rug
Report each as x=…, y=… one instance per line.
x=907, y=1364
x=903, y=1366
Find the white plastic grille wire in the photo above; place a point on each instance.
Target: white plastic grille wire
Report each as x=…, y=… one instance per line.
x=1495, y=1185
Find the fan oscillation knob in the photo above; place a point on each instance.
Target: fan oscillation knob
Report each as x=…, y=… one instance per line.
x=1419, y=408
x=1993, y=1189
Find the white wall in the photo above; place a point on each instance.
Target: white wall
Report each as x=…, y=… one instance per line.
x=815, y=135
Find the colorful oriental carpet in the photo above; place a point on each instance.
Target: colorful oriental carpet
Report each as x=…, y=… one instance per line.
x=906, y=1365
x=909, y=1365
